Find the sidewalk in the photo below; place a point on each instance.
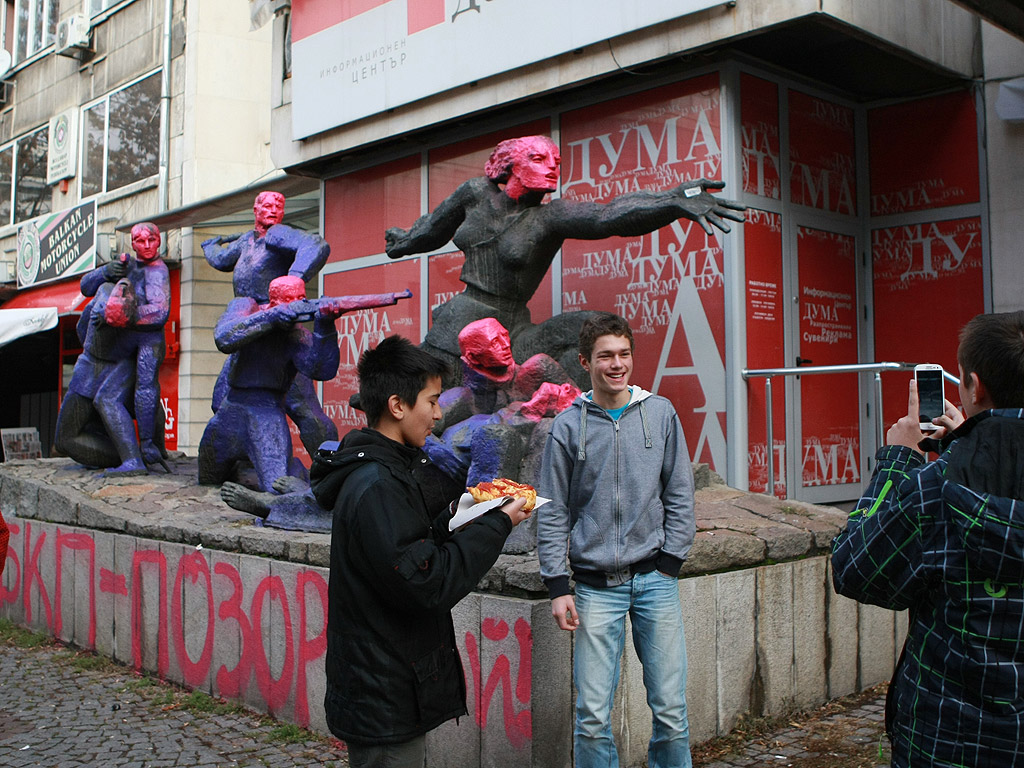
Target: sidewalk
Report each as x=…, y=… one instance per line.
x=846, y=733
x=61, y=708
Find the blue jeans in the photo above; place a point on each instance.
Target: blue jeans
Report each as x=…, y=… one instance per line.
x=652, y=602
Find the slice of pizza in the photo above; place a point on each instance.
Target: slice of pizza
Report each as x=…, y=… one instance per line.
x=500, y=487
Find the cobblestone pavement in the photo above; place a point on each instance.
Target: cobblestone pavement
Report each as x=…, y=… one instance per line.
x=63, y=709
x=56, y=714
x=840, y=735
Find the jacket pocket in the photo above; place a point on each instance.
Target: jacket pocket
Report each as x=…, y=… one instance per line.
x=440, y=685
x=415, y=558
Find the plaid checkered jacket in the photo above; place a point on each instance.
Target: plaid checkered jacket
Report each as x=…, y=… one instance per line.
x=945, y=539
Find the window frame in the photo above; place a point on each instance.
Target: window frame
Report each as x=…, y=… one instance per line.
x=83, y=155
x=39, y=12
x=14, y=145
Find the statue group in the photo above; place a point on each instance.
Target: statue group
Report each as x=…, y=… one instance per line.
x=509, y=376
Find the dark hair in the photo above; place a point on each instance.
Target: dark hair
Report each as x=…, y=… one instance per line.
x=602, y=324
x=992, y=346
x=395, y=367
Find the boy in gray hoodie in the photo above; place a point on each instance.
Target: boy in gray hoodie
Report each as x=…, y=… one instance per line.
x=618, y=474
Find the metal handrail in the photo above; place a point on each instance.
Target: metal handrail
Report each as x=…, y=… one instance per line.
x=808, y=370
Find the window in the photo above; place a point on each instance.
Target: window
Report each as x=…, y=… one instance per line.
x=35, y=26
x=98, y=6
x=121, y=137
x=23, y=190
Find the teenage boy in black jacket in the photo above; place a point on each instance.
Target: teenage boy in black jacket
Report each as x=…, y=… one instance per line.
x=393, y=670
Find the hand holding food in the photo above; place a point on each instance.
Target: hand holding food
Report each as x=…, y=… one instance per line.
x=501, y=487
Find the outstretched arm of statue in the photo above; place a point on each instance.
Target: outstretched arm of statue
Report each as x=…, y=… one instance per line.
x=222, y=252
x=637, y=213
x=435, y=228
x=243, y=322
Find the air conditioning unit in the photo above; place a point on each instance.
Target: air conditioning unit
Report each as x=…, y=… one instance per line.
x=73, y=36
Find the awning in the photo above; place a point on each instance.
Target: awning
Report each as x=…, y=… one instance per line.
x=62, y=295
x=240, y=200
x=15, y=323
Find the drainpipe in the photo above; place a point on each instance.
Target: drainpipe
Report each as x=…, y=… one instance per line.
x=163, y=192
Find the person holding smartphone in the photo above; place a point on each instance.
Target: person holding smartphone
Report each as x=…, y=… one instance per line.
x=945, y=539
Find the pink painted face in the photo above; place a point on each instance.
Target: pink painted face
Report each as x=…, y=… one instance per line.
x=268, y=210
x=145, y=243
x=549, y=400
x=536, y=167
x=286, y=289
x=487, y=349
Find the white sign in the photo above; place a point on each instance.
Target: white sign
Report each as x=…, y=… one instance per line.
x=62, y=152
x=370, y=62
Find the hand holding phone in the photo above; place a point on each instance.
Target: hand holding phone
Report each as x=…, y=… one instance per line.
x=931, y=397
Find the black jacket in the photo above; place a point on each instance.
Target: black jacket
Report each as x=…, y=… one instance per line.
x=946, y=540
x=393, y=670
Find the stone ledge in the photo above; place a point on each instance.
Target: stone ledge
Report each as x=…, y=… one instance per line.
x=735, y=529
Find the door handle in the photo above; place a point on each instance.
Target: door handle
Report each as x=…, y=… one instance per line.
x=803, y=361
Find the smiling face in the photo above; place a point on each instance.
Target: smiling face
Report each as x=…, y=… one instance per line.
x=415, y=422
x=535, y=168
x=145, y=242
x=610, y=366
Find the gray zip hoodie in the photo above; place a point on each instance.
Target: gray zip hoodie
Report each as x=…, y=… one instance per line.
x=621, y=493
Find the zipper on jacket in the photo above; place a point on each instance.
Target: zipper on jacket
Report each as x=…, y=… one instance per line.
x=618, y=504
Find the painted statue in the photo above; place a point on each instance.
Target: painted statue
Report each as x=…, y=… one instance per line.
x=510, y=237
x=116, y=378
x=487, y=424
x=491, y=378
x=268, y=251
x=269, y=347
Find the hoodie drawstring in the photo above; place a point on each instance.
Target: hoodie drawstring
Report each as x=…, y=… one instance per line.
x=648, y=443
x=581, y=450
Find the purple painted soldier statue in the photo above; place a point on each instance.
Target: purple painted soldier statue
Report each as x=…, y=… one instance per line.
x=269, y=347
x=268, y=251
x=117, y=375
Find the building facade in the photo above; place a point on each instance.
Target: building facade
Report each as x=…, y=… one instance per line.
x=115, y=112
x=864, y=138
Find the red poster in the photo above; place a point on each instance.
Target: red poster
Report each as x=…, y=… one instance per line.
x=668, y=284
x=765, y=347
x=450, y=166
x=928, y=282
x=443, y=274
x=822, y=154
x=358, y=331
x=168, y=373
x=360, y=206
x=830, y=403
x=759, y=126
x=924, y=154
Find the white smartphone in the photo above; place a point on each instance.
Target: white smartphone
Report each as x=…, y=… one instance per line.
x=931, y=394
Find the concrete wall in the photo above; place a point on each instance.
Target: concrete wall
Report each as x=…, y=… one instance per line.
x=763, y=640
